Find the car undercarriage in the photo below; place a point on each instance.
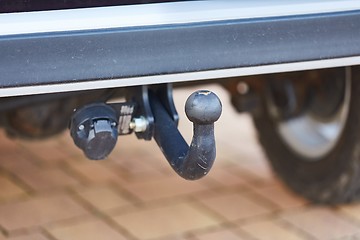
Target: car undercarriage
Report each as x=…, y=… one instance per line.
x=104, y=69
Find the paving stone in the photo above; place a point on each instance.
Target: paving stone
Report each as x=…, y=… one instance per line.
x=87, y=230
x=50, y=151
x=250, y=180
x=166, y=187
x=280, y=196
x=352, y=210
x=93, y=171
x=38, y=211
x=243, y=151
x=147, y=155
x=260, y=169
x=234, y=206
x=322, y=223
x=222, y=234
x=269, y=230
x=226, y=178
x=29, y=237
x=103, y=197
x=15, y=162
x=46, y=179
x=36, y=177
x=8, y=145
x=136, y=169
x=9, y=189
x=167, y=210
x=165, y=221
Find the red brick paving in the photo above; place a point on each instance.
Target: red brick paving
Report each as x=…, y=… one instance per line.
x=50, y=192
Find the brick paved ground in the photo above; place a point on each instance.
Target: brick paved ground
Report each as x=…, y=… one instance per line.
x=50, y=192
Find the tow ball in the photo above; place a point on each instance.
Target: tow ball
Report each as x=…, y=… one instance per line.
x=149, y=112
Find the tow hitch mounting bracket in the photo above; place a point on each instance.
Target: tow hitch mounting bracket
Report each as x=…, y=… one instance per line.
x=150, y=112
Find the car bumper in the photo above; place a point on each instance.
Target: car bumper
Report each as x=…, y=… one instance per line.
x=71, y=50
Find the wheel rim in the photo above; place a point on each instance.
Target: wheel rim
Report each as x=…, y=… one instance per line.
x=312, y=138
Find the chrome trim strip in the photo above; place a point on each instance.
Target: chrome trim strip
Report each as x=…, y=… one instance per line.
x=181, y=77
x=163, y=14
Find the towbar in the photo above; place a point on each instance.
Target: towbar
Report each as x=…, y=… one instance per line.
x=202, y=108
x=150, y=112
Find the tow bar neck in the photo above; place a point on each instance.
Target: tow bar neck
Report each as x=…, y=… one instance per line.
x=149, y=112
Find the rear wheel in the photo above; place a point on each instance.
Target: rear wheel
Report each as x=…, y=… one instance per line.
x=42, y=116
x=311, y=134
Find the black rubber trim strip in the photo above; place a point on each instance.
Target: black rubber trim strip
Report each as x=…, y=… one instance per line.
x=49, y=58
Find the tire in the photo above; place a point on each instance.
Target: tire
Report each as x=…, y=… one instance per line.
x=40, y=121
x=332, y=177
x=43, y=116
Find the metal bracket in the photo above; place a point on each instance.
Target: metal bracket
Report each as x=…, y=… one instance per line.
x=150, y=113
